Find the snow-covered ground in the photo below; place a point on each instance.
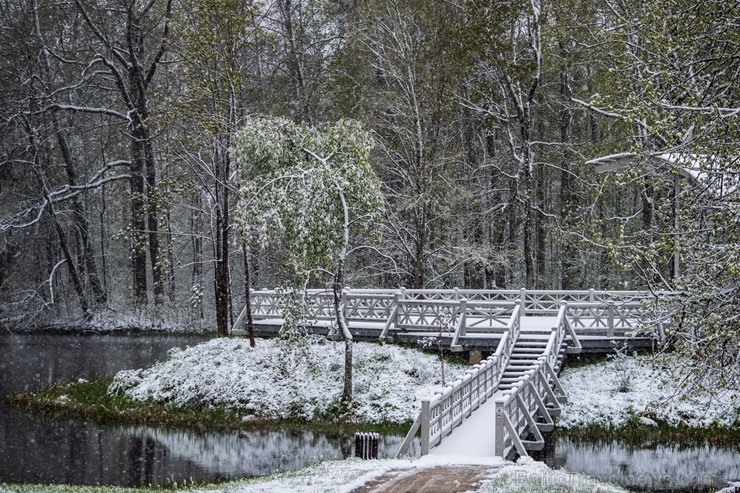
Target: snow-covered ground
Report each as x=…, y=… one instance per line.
x=273, y=381
x=346, y=476
x=612, y=392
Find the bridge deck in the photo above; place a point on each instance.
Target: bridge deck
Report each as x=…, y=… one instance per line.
x=475, y=437
x=474, y=341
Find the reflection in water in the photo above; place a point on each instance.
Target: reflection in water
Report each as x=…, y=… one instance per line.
x=659, y=468
x=35, y=450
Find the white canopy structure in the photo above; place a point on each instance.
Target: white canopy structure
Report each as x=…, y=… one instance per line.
x=696, y=169
x=720, y=181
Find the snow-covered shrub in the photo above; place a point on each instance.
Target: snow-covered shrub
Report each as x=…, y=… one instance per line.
x=389, y=380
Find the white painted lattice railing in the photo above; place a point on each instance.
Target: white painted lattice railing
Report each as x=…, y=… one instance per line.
x=533, y=302
x=528, y=408
x=530, y=404
x=448, y=409
x=456, y=311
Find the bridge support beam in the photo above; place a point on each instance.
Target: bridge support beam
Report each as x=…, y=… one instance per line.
x=549, y=424
x=561, y=396
x=539, y=441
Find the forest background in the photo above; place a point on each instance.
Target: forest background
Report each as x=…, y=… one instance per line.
x=117, y=118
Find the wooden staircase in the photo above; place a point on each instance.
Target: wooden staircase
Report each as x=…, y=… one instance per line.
x=530, y=345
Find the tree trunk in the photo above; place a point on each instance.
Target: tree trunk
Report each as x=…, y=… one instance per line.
x=338, y=287
x=153, y=220
x=138, y=227
x=247, y=299
x=80, y=217
x=222, y=282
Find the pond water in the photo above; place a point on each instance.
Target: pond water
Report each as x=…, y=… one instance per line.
x=659, y=468
x=50, y=450
x=36, y=450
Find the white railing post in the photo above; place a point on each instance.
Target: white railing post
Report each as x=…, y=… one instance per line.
x=425, y=426
x=399, y=296
x=455, y=293
x=498, y=437
x=345, y=295
x=610, y=318
x=522, y=303
x=591, y=296
x=463, y=315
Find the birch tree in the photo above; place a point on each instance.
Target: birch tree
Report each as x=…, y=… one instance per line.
x=509, y=40
x=312, y=192
x=412, y=52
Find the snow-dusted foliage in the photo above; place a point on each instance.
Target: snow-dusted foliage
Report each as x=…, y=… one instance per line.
x=389, y=380
x=312, y=192
x=613, y=393
x=297, y=184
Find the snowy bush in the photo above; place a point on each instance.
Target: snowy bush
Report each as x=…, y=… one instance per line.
x=389, y=380
x=594, y=399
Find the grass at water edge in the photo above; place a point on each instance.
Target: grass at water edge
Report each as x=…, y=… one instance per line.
x=91, y=401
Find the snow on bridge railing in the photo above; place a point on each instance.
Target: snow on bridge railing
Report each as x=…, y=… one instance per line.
x=532, y=302
x=456, y=311
x=537, y=393
x=608, y=317
x=449, y=408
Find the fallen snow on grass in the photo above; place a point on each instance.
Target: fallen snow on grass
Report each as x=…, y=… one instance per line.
x=625, y=388
x=528, y=476
x=326, y=477
x=274, y=382
x=732, y=488
x=346, y=476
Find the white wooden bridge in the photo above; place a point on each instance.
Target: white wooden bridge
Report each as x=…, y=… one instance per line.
x=502, y=405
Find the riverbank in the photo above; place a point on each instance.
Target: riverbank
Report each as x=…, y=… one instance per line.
x=234, y=385
x=631, y=398
x=216, y=365
x=357, y=476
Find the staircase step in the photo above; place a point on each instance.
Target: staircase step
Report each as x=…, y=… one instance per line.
x=509, y=381
x=515, y=373
x=537, y=344
x=528, y=348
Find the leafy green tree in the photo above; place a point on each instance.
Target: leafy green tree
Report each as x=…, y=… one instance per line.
x=674, y=68
x=313, y=192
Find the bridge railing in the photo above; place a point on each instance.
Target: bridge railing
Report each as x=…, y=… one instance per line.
x=536, y=394
x=449, y=408
x=528, y=407
x=455, y=311
x=607, y=318
x=533, y=302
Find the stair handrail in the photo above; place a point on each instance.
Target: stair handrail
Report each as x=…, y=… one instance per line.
x=564, y=322
x=515, y=410
x=448, y=408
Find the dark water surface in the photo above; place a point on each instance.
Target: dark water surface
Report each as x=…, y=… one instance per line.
x=36, y=450
x=660, y=468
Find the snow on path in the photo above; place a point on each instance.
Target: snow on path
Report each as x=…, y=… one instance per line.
x=474, y=437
